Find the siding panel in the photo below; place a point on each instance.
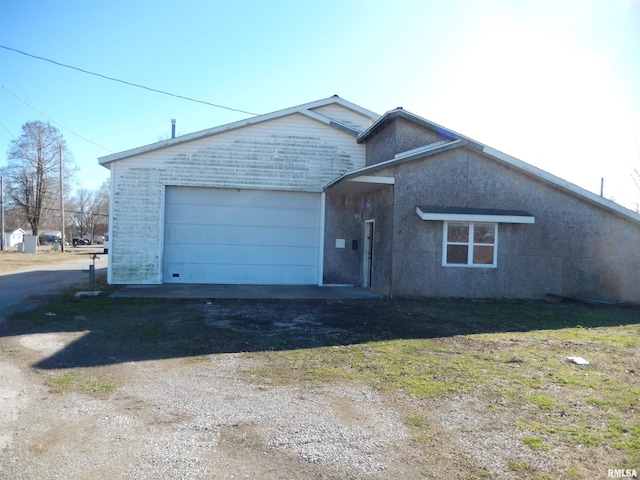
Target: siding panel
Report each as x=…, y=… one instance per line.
x=348, y=117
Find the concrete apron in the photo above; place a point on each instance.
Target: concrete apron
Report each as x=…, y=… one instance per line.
x=186, y=290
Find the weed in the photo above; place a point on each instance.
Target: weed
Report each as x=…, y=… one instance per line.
x=415, y=420
x=421, y=439
x=535, y=426
x=478, y=474
x=541, y=400
x=198, y=359
x=521, y=467
x=535, y=443
x=74, y=381
x=573, y=473
x=596, y=402
x=8, y=349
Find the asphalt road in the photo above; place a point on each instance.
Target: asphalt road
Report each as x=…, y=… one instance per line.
x=22, y=289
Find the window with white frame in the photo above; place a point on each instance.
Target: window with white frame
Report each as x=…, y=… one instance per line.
x=470, y=244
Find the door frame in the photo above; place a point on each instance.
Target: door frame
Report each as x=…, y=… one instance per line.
x=367, y=253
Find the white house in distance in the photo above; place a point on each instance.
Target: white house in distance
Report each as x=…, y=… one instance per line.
x=331, y=193
x=13, y=238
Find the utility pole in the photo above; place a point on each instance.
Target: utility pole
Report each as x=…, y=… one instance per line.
x=2, y=234
x=61, y=203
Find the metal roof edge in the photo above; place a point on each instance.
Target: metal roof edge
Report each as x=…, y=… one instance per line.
x=508, y=159
x=234, y=125
x=412, y=117
x=396, y=161
x=561, y=183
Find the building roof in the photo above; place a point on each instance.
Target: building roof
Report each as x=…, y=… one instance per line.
x=452, y=140
x=400, y=112
x=304, y=109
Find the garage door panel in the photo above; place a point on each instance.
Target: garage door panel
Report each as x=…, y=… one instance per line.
x=241, y=236
x=232, y=198
x=221, y=235
x=250, y=274
x=224, y=255
x=239, y=216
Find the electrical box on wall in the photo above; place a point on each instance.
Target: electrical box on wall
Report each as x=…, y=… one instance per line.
x=354, y=244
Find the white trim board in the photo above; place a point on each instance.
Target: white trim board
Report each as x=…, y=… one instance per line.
x=474, y=215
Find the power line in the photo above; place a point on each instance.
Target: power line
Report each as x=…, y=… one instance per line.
x=51, y=119
x=127, y=83
x=8, y=131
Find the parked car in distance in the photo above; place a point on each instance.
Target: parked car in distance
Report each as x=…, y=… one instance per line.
x=49, y=239
x=80, y=241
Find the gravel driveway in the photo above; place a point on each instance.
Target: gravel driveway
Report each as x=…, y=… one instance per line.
x=179, y=419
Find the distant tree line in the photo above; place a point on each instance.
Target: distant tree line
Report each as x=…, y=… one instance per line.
x=36, y=161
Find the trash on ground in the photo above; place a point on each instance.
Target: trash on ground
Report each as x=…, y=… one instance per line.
x=92, y=293
x=578, y=360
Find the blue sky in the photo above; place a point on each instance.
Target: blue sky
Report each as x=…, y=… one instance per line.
x=553, y=83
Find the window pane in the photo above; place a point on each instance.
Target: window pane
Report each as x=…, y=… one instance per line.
x=482, y=255
x=484, y=233
x=458, y=232
x=457, y=254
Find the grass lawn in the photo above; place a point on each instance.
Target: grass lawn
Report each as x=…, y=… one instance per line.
x=501, y=363
x=11, y=260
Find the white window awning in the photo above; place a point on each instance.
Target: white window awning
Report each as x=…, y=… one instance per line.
x=473, y=214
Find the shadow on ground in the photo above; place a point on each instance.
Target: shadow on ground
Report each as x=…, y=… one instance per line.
x=119, y=330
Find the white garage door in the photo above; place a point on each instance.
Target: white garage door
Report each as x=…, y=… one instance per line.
x=231, y=236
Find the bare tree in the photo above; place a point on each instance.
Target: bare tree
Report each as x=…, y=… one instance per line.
x=79, y=212
x=89, y=212
x=101, y=209
x=33, y=172
x=12, y=218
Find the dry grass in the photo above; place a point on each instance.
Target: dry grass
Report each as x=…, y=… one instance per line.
x=11, y=261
